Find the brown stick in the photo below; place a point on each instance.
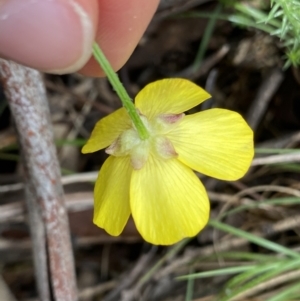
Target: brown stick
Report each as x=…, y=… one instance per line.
x=28, y=103
x=38, y=234
x=264, y=95
x=5, y=293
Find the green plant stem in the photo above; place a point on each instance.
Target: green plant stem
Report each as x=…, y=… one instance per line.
x=120, y=90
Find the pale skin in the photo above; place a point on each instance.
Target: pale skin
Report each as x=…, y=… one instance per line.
x=56, y=36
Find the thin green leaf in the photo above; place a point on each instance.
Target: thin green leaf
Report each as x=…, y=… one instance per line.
x=287, y=167
x=207, y=36
x=243, y=256
x=287, y=293
x=282, y=267
x=276, y=151
x=255, y=239
x=189, y=289
x=259, y=269
x=219, y=272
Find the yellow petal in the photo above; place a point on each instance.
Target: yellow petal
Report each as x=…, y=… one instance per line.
x=171, y=96
x=111, y=195
x=216, y=142
x=107, y=130
x=168, y=202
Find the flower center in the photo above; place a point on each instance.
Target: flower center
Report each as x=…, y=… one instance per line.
x=130, y=144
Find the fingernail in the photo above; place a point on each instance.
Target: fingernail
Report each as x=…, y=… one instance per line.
x=49, y=35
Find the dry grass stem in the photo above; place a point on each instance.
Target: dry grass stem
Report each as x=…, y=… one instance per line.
x=272, y=283
x=276, y=159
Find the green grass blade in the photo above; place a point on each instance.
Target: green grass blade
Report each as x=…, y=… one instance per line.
x=189, y=289
x=76, y=142
x=293, y=167
x=261, y=204
x=272, y=151
x=242, y=256
x=206, y=36
x=259, y=269
x=254, y=239
x=219, y=272
x=283, y=267
x=292, y=291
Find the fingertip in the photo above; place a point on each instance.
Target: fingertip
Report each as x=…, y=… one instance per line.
x=53, y=36
x=120, y=27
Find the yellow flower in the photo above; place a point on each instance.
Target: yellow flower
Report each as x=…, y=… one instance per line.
x=152, y=179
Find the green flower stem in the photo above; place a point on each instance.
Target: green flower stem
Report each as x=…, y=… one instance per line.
x=120, y=90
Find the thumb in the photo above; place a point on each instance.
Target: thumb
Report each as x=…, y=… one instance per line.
x=50, y=35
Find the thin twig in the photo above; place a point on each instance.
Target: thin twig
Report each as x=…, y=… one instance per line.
x=287, y=140
x=80, y=201
x=264, y=95
x=67, y=152
x=11, y=187
x=69, y=179
x=275, y=188
x=28, y=103
x=99, y=289
x=228, y=244
x=193, y=74
x=37, y=229
x=82, y=242
x=271, y=283
x=131, y=277
x=77, y=92
x=276, y=159
x=5, y=293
